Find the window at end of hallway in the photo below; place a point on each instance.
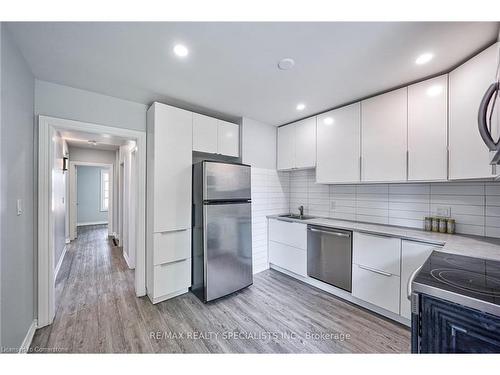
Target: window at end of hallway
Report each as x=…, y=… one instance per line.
x=104, y=189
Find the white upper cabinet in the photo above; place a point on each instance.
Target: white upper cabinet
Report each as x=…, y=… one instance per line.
x=384, y=137
x=204, y=133
x=170, y=131
x=297, y=145
x=286, y=147
x=228, y=138
x=305, y=143
x=427, y=130
x=215, y=136
x=469, y=156
x=338, y=145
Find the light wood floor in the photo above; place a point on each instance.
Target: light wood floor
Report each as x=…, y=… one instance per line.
x=97, y=312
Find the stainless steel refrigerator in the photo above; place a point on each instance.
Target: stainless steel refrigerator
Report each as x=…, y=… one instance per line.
x=222, y=229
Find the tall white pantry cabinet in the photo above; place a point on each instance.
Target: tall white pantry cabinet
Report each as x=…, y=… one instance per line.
x=169, y=164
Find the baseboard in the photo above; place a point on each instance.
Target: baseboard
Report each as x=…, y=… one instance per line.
x=127, y=260
x=91, y=223
x=25, y=346
x=59, y=263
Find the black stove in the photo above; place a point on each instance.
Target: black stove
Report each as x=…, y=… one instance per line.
x=470, y=281
x=455, y=305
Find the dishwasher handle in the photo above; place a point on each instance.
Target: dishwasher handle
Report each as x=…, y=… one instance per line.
x=338, y=234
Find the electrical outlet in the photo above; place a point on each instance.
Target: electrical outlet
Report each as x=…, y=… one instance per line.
x=443, y=211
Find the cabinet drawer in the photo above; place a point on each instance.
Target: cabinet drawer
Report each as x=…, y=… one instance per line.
x=288, y=257
x=171, y=246
x=172, y=277
x=292, y=234
x=378, y=252
x=376, y=288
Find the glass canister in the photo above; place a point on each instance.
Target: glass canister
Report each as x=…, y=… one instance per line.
x=428, y=224
x=443, y=225
x=435, y=224
x=450, y=228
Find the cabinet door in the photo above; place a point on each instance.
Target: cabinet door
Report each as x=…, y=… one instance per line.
x=288, y=233
x=384, y=137
x=338, y=141
x=228, y=136
x=377, y=252
x=469, y=156
x=286, y=147
x=413, y=255
x=204, y=133
x=375, y=287
x=305, y=143
x=172, y=168
x=427, y=129
x=288, y=257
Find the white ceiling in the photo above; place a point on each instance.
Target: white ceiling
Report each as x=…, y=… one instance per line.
x=232, y=67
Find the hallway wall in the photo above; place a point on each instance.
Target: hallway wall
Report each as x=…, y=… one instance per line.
x=89, y=196
x=17, y=236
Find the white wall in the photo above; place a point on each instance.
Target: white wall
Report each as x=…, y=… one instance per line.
x=258, y=144
x=270, y=191
x=74, y=104
x=17, y=236
x=474, y=205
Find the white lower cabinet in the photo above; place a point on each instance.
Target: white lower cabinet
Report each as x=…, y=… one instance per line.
x=413, y=255
x=172, y=279
x=171, y=246
x=376, y=269
x=376, y=287
x=288, y=246
x=288, y=233
x=378, y=252
x=288, y=257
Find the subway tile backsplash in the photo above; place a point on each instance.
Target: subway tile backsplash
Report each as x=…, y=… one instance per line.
x=474, y=205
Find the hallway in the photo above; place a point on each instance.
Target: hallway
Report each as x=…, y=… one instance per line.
x=96, y=307
x=97, y=312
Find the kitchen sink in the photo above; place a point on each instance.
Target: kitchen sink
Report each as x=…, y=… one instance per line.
x=296, y=216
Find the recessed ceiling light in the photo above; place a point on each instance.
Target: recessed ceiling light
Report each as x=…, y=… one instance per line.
x=328, y=120
x=181, y=50
x=286, y=63
x=424, y=58
x=435, y=90
x=301, y=107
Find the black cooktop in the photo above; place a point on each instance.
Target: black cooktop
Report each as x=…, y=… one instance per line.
x=474, y=278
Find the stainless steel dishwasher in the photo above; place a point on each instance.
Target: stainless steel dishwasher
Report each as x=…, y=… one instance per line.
x=329, y=256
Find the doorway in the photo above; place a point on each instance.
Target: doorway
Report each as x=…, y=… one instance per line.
x=51, y=130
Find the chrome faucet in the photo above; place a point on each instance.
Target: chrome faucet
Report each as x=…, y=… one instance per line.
x=301, y=211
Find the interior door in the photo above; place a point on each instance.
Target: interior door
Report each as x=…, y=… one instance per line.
x=228, y=248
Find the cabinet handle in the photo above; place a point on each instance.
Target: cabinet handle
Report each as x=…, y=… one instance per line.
x=375, y=270
x=338, y=234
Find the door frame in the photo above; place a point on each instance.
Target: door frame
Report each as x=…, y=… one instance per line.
x=47, y=129
x=73, y=195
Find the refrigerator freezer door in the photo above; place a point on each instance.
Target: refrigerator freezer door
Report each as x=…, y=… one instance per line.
x=228, y=248
x=226, y=181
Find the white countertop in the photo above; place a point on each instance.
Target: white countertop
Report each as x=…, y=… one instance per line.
x=474, y=246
